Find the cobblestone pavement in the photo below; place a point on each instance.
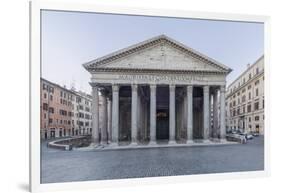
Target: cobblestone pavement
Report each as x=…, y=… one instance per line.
x=69, y=166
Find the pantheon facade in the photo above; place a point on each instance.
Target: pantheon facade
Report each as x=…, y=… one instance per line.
x=158, y=90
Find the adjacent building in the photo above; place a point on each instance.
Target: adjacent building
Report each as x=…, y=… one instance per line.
x=64, y=112
x=82, y=116
x=245, y=100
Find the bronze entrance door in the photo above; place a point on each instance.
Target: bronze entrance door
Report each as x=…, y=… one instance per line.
x=162, y=126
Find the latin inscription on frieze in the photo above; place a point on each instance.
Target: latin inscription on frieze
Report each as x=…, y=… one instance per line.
x=159, y=78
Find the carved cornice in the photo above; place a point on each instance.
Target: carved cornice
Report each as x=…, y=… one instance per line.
x=162, y=71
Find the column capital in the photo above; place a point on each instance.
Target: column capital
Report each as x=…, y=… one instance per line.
x=189, y=88
x=172, y=87
x=206, y=88
x=115, y=88
x=222, y=88
x=93, y=85
x=104, y=92
x=153, y=87
x=134, y=87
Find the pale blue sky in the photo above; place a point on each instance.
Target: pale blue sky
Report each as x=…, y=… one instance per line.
x=70, y=39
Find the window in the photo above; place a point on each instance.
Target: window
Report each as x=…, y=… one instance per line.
x=63, y=112
x=249, y=87
x=81, y=115
x=50, y=120
x=257, y=82
x=256, y=106
x=45, y=106
x=257, y=70
x=78, y=99
x=45, y=95
x=257, y=92
x=51, y=110
x=44, y=86
x=249, y=95
x=51, y=97
x=250, y=76
x=51, y=89
x=257, y=118
x=243, y=98
x=249, y=108
x=250, y=119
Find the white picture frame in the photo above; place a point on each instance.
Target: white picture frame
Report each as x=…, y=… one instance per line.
x=35, y=72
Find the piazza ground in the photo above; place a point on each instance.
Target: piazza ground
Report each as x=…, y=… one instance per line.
x=70, y=166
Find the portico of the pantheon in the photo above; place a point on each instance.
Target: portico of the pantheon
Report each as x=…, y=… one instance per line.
x=158, y=90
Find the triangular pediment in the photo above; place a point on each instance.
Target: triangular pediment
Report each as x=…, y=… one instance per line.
x=159, y=53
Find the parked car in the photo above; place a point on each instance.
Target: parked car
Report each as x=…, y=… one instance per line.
x=249, y=136
x=255, y=134
x=236, y=137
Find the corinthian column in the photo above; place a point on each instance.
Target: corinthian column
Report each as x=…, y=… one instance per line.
x=134, y=123
x=215, y=114
x=109, y=120
x=115, y=114
x=103, y=112
x=222, y=112
x=172, y=116
x=95, y=115
x=189, y=114
x=152, y=114
x=206, y=113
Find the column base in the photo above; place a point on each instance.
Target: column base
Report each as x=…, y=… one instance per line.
x=206, y=141
x=172, y=142
x=104, y=143
x=113, y=144
x=152, y=143
x=94, y=144
x=189, y=141
x=133, y=143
